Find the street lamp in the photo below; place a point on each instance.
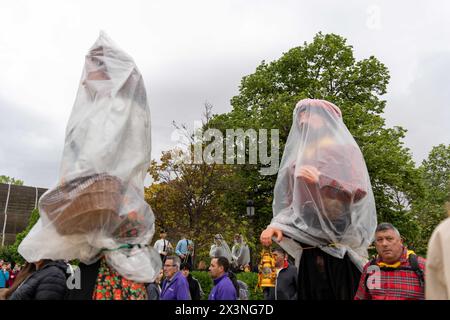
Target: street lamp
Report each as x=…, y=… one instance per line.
x=250, y=215
x=250, y=208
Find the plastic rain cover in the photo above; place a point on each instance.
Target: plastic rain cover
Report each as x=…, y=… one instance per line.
x=97, y=207
x=323, y=196
x=220, y=248
x=240, y=252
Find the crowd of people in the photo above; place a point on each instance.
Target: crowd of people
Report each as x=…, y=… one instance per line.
x=238, y=256
x=324, y=214
x=8, y=273
x=179, y=284
x=396, y=273
x=42, y=280
x=178, y=262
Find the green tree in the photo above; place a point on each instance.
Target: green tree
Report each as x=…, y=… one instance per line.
x=435, y=171
x=430, y=209
x=9, y=253
x=327, y=69
x=6, y=179
x=187, y=197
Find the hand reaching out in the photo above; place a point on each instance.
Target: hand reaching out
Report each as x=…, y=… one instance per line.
x=266, y=236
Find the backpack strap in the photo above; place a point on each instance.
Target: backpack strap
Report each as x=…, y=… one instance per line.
x=414, y=263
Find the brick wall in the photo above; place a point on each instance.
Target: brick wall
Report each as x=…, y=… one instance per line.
x=22, y=200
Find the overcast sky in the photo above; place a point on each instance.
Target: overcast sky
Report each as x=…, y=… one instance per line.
x=190, y=52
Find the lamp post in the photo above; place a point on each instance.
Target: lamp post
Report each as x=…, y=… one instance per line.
x=250, y=215
x=250, y=208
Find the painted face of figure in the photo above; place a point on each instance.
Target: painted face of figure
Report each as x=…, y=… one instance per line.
x=95, y=67
x=334, y=208
x=389, y=246
x=311, y=119
x=218, y=240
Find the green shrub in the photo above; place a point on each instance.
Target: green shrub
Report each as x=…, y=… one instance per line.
x=9, y=253
x=251, y=279
x=205, y=281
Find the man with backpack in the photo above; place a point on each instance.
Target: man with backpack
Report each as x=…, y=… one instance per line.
x=396, y=273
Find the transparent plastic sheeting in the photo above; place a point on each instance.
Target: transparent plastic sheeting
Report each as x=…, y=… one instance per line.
x=323, y=196
x=241, y=253
x=97, y=207
x=220, y=248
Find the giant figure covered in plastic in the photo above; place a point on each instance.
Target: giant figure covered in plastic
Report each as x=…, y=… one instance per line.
x=323, y=203
x=97, y=208
x=220, y=248
x=240, y=252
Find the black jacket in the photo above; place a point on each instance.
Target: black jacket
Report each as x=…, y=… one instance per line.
x=153, y=291
x=88, y=275
x=47, y=283
x=194, y=288
x=286, y=285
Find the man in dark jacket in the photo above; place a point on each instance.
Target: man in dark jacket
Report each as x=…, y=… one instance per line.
x=286, y=284
x=48, y=282
x=194, y=286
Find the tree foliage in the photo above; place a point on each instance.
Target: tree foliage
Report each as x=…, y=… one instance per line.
x=6, y=179
x=430, y=209
x=207, y=199
x=187, y=198
x=326, y=69
x=10, y=253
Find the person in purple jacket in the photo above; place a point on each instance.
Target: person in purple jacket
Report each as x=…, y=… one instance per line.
x=224, y=288
x=175, y=285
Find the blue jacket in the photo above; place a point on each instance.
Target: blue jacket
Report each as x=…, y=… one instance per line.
x=223, y=289
x=182, y=246
x=4, y=276
x=175, y=289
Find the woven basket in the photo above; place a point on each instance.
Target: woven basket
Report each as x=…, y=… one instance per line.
x=84, y=204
